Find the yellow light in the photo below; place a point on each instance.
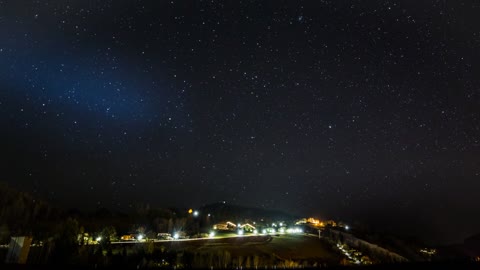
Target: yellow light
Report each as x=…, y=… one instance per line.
x=190, y=211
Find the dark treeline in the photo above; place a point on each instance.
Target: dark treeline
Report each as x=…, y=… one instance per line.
x=23, y=214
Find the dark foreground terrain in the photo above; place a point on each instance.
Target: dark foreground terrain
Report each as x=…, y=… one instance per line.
x=249, y=252
x=448, y=265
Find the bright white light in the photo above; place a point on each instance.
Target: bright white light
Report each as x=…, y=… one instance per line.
x=281, y=224
x=195, y=213
x=264, y=231
x=98, y=239
x=347, y=228
x=282, y=230
x=240, y=232
x=176, y=236
x=255, y=231
x=294, y=230
x=212, y=234
x=139, y=237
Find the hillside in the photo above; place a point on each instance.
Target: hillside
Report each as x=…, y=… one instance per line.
x=224, y=211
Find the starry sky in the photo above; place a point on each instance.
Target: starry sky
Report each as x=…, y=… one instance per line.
x=362, y=111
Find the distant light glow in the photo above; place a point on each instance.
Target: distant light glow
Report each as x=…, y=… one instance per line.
x=347, y=227
x=294, y=230
x=98, y=239
x=195, y=213
x=271, y=230
x=139, y=237
x=211, y=234
x=176, y=235
x=240, y=232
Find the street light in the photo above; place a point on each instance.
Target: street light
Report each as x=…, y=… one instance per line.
x=195, y=213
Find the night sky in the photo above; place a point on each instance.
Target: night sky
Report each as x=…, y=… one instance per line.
x=354, y=110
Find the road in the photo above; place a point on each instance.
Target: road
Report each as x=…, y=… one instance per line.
x=190, y=239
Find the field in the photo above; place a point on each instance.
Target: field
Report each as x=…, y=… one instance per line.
x=283, y=250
